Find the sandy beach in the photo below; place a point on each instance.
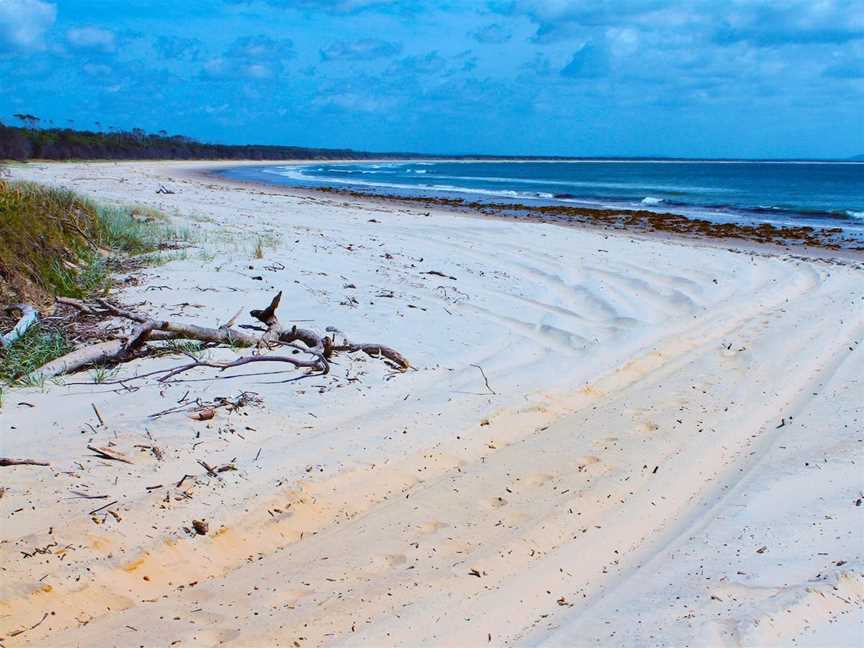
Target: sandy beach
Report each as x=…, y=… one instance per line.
x=604, y=439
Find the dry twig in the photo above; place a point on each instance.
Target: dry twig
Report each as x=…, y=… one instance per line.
x=6, y=461
x=108, y=453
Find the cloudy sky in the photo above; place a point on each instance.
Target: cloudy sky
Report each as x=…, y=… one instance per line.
x=736, y=78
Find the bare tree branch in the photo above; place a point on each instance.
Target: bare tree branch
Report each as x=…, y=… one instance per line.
x=29, y=316
x=320, y=348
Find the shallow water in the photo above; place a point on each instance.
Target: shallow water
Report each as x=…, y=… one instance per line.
x=819, y=194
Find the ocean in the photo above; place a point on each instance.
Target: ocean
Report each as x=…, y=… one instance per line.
x=818, y=194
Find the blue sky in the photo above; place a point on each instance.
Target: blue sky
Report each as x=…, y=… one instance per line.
x=743, y=78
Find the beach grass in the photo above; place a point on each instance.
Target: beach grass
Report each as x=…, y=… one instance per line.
x=53, y=242
x=40, y=344
x=137, y=230
x=56, y=243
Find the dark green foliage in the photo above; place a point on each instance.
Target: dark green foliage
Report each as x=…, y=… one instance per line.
x=67, y=144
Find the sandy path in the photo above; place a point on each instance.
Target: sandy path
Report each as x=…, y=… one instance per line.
x=626, y=483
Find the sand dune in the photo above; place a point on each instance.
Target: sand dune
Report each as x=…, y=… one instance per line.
x=667, y=451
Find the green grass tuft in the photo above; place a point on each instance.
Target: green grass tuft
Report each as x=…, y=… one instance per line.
x=53, y=242
x=40, y=344
x=137, y=230
x=101, y=373
x=92, y=278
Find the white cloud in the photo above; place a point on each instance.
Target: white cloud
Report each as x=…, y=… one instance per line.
x=224, y=69
x=330, y=6
x=365, y=49
x=91, y=38
x=492, y=34
x=258, y=71
x=251, y=57
x=355, y=102
x=622, y=41
x=217, y=67
x=23, y=24
x=97, y=69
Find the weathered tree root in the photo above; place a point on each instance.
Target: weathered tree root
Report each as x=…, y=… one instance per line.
x=378, y=351
x=29, y=316
x=319, y=348
x=374, y=350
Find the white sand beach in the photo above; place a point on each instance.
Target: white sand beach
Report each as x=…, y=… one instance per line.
x=604, y=439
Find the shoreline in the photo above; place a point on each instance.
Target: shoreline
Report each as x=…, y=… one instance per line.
x=669, y=226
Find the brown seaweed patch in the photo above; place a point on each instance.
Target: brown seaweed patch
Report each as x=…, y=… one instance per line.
x=636, y=220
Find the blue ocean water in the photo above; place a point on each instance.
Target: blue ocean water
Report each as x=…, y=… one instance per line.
x=819, y=194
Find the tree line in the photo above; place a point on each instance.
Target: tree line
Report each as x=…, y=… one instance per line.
x=30, y=142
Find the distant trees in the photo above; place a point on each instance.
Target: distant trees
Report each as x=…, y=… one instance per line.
x=14, y=144
x=31, y=142
x=29, y=121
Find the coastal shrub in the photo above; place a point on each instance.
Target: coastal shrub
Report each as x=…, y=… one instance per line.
x=44, y=235
x=53, y=242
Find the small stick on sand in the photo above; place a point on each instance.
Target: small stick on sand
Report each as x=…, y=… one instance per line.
x=485, y=379
x=98, y=415
x=15, y=633
x=108, y=453
x=210, y=469
x=182, y=479
x=102, y=508
x=6, y=461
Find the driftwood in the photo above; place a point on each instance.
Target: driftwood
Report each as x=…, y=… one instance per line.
x=311, y=364
x=378, y=351
x=101, y=353
x=316, y=348
x=29, y=316
x=108, y=453
x=6, y=461
x=374, y=350
x=76, y=303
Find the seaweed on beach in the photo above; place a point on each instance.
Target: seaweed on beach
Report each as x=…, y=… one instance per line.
x=636, y=220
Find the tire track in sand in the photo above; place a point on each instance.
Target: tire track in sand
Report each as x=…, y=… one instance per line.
x=325, y=504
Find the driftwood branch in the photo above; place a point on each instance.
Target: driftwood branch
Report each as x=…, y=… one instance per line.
x=311, y=364
x=374, y=350
x=6, y=461
x=268, y=315
x=76, y=303
x=95, y=354
x=378, y=351
x=317, y=348
x=29, y=316
x=101, y=353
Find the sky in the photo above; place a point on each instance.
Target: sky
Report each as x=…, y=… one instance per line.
x=697, y=78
